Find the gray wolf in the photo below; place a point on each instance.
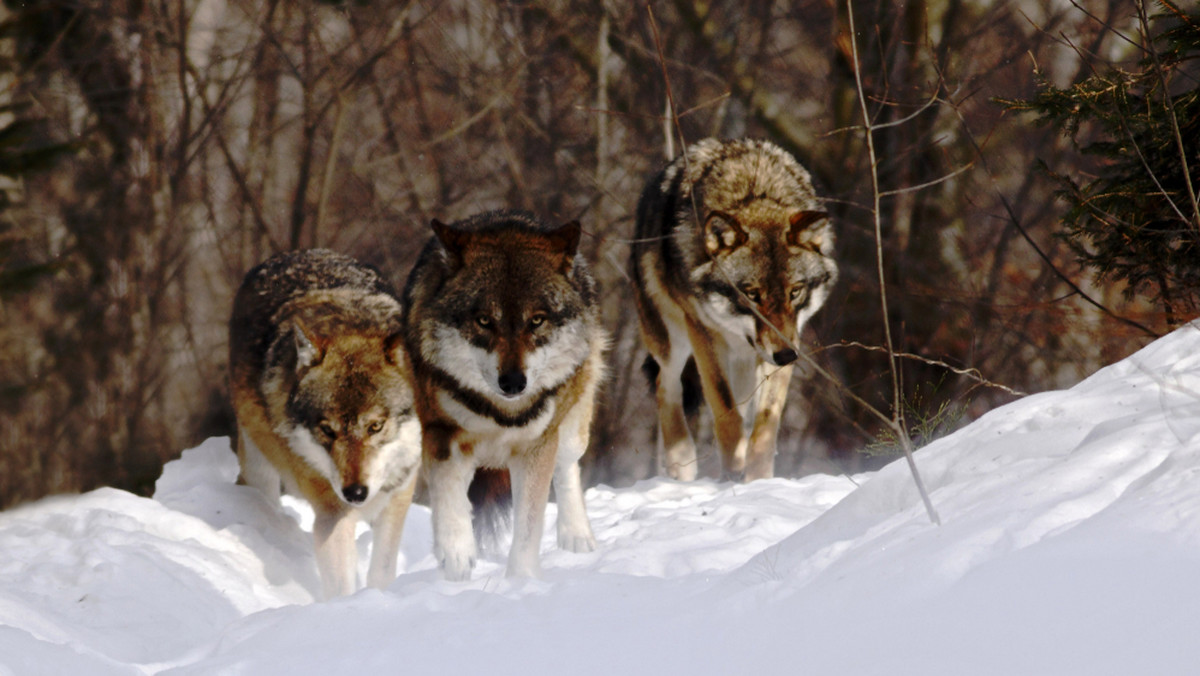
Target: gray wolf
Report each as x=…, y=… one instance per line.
x=324, y=404
x=732, y=255
x=503, y=335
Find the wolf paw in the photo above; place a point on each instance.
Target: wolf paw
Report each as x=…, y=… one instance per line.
x=580, y=543
x=456, y=567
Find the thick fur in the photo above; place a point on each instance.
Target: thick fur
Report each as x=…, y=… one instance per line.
x=732, y=255
x=505, y=342
x=324, y=403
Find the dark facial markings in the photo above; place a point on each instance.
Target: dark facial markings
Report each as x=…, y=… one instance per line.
x=480, y=405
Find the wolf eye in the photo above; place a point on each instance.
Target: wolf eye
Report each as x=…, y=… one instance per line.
x=752, y=295
x=484, y=321
x=537, y=320
x=375, y=427
x=327, y=429
x=798, y=292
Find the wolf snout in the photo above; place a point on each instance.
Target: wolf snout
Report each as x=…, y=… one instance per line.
x=355, y=494
x=784, y=357
x=512, y=383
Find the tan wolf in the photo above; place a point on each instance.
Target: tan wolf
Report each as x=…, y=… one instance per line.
x=320, y=386
x=732, y=255
x=506, y=349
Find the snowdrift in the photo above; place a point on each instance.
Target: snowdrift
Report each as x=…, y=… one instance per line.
x=1070, y=544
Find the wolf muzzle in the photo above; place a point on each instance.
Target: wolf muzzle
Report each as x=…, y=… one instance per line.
x=512, y=382
x=355, y=494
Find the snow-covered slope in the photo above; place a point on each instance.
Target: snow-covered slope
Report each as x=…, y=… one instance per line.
x=1070, y=544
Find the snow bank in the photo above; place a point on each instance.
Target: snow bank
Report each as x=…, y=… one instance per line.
x=1070, y=537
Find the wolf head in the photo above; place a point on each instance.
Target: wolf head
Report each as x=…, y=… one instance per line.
x=511, y=321
x=350, y=409
x=762, y=247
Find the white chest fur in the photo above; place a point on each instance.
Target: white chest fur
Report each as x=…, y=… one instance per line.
x=492, y=443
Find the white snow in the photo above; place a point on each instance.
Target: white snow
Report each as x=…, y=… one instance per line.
x=1070, y=544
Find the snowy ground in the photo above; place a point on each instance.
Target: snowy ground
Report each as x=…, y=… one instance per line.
x=1070, y=544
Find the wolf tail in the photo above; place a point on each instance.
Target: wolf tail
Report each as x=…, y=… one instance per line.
x=491, y=501
x=693, y=394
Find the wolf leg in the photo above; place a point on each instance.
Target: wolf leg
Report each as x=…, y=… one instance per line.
x=386, y=529
x=531, y=475
x=772, y=395
x=574, y=530
x=448, y=479
x=676, y=447
x=711, y=352
x=256, y=470
x=337, y=555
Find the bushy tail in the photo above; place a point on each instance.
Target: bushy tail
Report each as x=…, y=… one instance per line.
x=693, y=393
x=491, y=501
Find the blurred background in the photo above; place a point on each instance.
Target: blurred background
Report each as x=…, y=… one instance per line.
x=152, y=151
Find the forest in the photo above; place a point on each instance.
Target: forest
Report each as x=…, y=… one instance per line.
x=1016, y=178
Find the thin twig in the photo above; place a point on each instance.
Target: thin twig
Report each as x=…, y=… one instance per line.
x=1170, y=106
x=927, y=184
x=897, y=422
x=972, y=373
x=1016, y=222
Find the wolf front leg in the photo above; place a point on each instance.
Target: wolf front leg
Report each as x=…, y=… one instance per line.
x=531, y=475
x=574, y=530
x=772, y=396
x=337, y=555
x=449, y=476
x=387, y=529
x=711, y=354
x=676, y=447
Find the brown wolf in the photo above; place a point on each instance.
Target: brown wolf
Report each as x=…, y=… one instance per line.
x=733, y=254
x=506, y=350
x=320, y=386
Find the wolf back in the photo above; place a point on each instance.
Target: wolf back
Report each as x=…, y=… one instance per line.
x=504, y=337
x=732, y=255
x=324, y=405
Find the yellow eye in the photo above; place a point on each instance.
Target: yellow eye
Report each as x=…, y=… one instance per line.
x=484, y=321
x=375, y=427
x=752, y=295
x=537, y=320
x=798, y=292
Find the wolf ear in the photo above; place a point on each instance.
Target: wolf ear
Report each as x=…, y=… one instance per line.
x=453, y=241
x=393, y=348
x=309, y=349
x=800, y=233
x=564, y=240
x=722, y=233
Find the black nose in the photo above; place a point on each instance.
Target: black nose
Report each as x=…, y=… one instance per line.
x=512, y=382
x=784, y=357
x=355, y=493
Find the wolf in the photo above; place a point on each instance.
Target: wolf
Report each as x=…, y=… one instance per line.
x=503, y=334
x=732, y=254
x=324, y=403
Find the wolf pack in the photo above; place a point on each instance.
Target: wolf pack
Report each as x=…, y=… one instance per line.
x=480, y=377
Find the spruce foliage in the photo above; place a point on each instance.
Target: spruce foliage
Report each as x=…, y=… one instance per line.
x=1136, y=221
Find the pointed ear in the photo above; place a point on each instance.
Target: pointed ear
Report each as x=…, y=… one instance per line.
x=393, y=348
x=454, y=242
x=564, y=240
x=722, y=233
x=801, y=233
x=310, y=349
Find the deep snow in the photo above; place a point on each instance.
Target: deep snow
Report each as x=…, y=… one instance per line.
x=1070, y=544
